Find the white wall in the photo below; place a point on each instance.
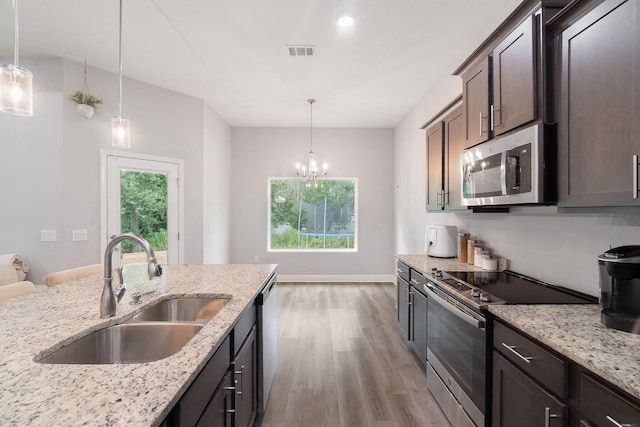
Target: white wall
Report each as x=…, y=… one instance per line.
x=216, y=188
x=366, y=154
x=50, y=163
x=560, y=248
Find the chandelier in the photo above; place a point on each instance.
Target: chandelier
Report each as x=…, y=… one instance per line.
x=310, y=171
x=16, y=83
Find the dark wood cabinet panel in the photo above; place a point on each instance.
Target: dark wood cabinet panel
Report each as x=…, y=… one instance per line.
x=536, y=361
x=519, y=401
x=599, y=106
x=219, y=411
x=601, y=406
x=403, y=306
x=435, y=170
x=455, y=144
x=514, y=78
x=244, y=370
x=475, y=95
x=418, y=327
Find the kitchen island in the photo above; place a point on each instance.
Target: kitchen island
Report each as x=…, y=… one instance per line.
x=102, y=395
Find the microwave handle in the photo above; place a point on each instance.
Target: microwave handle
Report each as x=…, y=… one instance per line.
x=510, y=183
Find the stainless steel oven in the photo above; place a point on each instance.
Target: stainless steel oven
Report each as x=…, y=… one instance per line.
x=456, y=357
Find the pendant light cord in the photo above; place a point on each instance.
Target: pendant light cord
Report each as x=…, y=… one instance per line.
x=15, y=33
x=311, y=101
x=120, y=61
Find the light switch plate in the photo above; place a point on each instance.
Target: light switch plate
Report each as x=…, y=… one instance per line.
x=48, y=235
x=78, y=235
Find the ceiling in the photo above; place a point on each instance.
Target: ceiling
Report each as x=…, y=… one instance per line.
x=233, y=53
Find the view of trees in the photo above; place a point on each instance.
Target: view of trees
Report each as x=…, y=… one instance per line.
x=143, y=201
x=319, y=215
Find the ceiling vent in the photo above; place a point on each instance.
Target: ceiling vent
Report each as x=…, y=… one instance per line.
x=302, y=50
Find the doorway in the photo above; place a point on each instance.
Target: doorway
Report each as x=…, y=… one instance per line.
x=143, y=195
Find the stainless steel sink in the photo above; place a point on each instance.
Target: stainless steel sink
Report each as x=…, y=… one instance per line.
x=183, y=310
x=126, y=343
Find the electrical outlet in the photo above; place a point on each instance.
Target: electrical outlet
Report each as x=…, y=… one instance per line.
x=256, y=258
x=78, y=235
x=48, y=235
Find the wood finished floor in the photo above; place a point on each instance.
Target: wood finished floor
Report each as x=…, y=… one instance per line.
x=343, y=362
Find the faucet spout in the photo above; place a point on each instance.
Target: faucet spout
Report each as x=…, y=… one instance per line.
x=108, y=298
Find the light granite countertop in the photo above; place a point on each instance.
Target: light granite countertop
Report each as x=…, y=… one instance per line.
x=575, y=331
x=425, y=263
x=35, y=325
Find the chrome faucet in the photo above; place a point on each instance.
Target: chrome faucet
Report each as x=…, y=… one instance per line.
x=108, y=298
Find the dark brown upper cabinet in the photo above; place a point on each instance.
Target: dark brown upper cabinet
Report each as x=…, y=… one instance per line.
x=514, y=79
x=445, y=137
x=507, y=81
x=598, y=103
x=476, y=101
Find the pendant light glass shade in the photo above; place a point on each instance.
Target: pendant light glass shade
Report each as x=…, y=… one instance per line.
x=120, y=132
x=120, y=126
x=16, y=83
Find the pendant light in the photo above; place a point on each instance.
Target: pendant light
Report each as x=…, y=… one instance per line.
x=16, y=83
x=120, y=126
x=310, y=172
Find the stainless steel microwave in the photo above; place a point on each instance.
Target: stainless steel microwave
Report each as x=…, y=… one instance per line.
x=518, y=168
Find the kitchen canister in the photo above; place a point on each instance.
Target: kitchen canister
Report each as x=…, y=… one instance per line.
x=477, y=256
x=463, y=239
x=503, y=264
x=471, y=247
x=489, y=262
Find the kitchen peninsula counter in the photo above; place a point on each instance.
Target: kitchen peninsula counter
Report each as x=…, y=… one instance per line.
x=143, y=394
x=575, y=332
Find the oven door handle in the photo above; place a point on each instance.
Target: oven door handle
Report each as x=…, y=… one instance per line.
x=480, y=324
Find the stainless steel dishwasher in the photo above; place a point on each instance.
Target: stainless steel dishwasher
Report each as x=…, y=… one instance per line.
x=267, y=303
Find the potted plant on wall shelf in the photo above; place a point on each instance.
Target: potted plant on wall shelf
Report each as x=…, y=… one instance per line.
x=86, y=101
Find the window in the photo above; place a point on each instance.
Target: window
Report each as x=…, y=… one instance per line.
x=312, y=216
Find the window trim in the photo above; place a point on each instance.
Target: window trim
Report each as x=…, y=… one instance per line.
x=354, y=249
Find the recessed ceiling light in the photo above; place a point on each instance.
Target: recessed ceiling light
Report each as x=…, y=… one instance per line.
x=346, y=20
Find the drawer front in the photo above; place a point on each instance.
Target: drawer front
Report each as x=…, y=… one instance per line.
x=243, y=327
x=195, y=400
x=417, y=279
x=543, y=365
x=601, y=406
x=403, y=271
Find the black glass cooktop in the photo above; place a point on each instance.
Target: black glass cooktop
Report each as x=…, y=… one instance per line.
x=517, y=289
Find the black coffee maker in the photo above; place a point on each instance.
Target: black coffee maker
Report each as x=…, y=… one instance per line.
x=620, y=288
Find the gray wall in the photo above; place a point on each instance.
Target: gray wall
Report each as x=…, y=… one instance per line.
x=50, y=163
x=557, y=247
x=366, y=154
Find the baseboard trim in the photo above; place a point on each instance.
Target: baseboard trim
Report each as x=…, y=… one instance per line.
x=387, y=278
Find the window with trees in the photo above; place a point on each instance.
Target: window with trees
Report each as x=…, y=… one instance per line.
x=314, y=216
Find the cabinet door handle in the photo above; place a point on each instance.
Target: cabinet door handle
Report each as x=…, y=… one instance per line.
x=415, y=282
x=548, y=415
x=438, y=198
x=235, y=402
x=493, y=123
x=445, y=198
x=635, y=176
x=617, y=424
x=482, y=117
x=511, y=348
x=241, y=392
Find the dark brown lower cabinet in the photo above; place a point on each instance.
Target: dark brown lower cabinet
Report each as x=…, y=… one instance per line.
x=418, y=314
x=602, y=406
x=219, y=411
x=520, y=401
x=244, y=371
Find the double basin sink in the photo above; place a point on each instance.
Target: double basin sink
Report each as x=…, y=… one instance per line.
x=158, y=331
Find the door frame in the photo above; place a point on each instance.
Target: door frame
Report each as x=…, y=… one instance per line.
x=104, y=154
